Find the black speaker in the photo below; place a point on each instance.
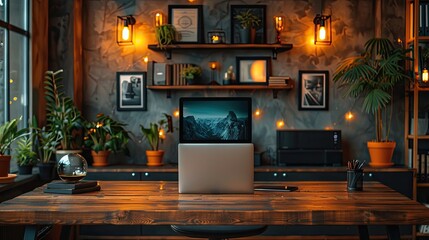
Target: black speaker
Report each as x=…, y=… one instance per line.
x=309, y=148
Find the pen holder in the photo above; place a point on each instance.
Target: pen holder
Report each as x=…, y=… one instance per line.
x=354, y=180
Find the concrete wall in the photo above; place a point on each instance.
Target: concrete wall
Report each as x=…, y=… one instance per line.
x=353, y=24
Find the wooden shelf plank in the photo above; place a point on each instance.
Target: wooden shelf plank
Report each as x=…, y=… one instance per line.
x=221, y=87
x=274, y=47
x=419, y=137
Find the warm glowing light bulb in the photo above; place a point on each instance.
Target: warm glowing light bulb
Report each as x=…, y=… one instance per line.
x=176, y=113
x=257, y=112
x=280, y=124
x=15, y=99
x=349, y=116
x=158, y=19
x=11, y=81
x=161, y=134
x=146, y=59
x=213, y=65
x=425, y=75
x=125, y=33
x=322, y=33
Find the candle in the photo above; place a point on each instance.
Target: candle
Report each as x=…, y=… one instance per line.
x=158, y=19
x=215, y=39
x=279, y=23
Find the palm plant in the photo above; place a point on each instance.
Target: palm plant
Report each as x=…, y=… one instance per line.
x=373, y=76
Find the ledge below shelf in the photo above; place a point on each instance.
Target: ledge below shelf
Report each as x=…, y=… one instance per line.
x=275, y=89
x=275, y=48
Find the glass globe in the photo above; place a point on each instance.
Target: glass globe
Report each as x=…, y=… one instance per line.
x=72, y=168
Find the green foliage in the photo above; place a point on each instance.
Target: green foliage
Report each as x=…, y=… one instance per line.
x=9, y=133
x=46, y=141
x=152, y=133
x=372, y=76
x=106, y=134
x=165, y=35
x=25, y=156
x=248, y=19
x=191, y=72
x=63, y=117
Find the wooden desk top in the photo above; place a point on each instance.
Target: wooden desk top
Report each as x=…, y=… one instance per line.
x=158, y=203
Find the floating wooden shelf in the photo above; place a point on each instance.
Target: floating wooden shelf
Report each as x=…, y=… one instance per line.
x=275, y=48
x=275, y=89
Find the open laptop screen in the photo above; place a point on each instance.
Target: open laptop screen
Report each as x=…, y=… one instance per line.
x=215, y=120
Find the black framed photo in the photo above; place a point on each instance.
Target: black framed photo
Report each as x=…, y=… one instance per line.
x=248, y=24
x=253, y=70
x=313, y=90
x=188, y=22
x=131, y=91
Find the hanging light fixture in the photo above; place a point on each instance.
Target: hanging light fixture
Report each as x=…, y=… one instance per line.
x=425, y=75
x=322, y=30
x=125, y=30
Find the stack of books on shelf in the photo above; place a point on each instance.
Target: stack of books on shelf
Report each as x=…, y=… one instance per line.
x=72, y=188
x=278, y=81
x=163, y=74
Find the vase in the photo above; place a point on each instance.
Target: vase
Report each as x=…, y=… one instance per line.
x=244, y=35
x=154, y=158
x=5, y=165
x=100, y=158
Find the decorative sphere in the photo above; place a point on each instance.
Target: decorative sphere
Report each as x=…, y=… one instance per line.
x=72, y=168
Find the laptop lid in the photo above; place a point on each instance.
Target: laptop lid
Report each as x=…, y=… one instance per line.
x=215, y=168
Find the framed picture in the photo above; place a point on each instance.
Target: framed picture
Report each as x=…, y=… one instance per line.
x=131, y=91
x=188, y=21
x=313, y=90
x=253, y=70
x=239, y=14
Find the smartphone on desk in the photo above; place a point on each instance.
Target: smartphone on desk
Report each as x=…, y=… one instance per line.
x=270, y=188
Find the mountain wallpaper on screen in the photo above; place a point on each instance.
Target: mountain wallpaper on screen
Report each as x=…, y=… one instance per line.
x=205, y=128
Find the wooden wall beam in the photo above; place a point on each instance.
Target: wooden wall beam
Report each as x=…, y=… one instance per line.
x=77, y=55
x=39, y=56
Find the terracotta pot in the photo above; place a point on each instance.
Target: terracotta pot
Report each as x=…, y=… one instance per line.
x=154, y=158
x=4, y=165
x=100, y=158
x=381, y=153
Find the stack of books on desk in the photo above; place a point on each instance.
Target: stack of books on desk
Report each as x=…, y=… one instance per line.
x=278, y=81
x=72, y=188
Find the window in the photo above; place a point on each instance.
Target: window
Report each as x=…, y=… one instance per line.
x=14, y=59
x=14, y=62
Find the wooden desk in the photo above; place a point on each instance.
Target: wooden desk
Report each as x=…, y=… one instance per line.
x=158, y=203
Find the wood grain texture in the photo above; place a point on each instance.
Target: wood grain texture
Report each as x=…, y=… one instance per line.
x=39, y=56
x=77, y=55
x=158, y=203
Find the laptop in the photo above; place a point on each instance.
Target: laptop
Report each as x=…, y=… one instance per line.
x=216, y=168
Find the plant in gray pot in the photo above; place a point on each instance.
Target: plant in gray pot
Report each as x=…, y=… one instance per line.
x=248, y=23
x=46, y=143
x=26, y=158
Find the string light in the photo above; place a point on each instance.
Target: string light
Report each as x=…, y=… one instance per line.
x=349, y=116
x=146, y=59
x=176, y=113
x=280, y=124
x=258, y=112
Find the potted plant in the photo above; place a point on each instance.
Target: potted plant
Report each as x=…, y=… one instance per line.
x=26, y=158
x=103, y=136
x=191, y=74
x=46, y=144
x=155, y=134
x=165, y=35
x=248, y=22
x=373, y=76
x=8, y=134
x=63, y=117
